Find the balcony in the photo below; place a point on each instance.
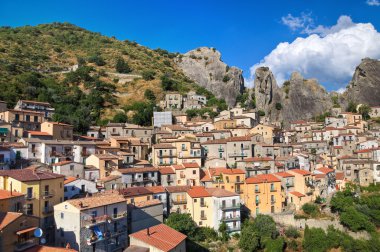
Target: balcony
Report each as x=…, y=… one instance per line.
x=273, y=190
x=257, y=191
x=203, y=204
x=230, y=207
x=273, y=201
x=239, y=182
x=221, y=149
x=21, y=246
x=90, y=221
x=119, y=216
x=47, y=210
x=230, y=218
x=239, y=191
x=236, y=154
x=85, y=154
x=47, y=194
x=203, y=217
x=245, y=147
x=289, y=184
x=30, y=196
x=179, y=201
x=163, y=155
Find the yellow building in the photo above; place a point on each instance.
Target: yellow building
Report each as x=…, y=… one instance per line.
x=42, y=191
x=106, y=163
x=26, y=119
x=225, y=124
x=264, y=130
x=229, y=179
x=187, y=174
x=164, y=154
x=303, y=182
x=262, y=194
x=188, y=150
x=199, y=205
x=59, y=131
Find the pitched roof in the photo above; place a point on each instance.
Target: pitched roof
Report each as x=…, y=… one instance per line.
x=325, y=170
x=166, y=170
x=63, y=163
x=161, y=237
x=135, y=191
x=163, y=146
x=284, y=174
x=38, y=133
x=176, y=189
x=30, y=174
x=215, y=141
x=301, y=172
x=262, y=178
x=258, y=159
x=109, y=178
x=4, y=194
x=221, y=170
x=138, y=169
x=190, y=165
x=198, y=192
x=339, y=176
x=8, y=217
x=218, y=192
x=41, y=248
x=298, y=194
x=97, y=200
x=156, y=189
x=69, y=180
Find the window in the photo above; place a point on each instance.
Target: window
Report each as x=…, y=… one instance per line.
x=62, y=215
x=195, y=200
x=202, y=202
x=71, y=167
x=194, y=172
x=94, y=214
x=35, y=118
x=62, y=232
x=147, y=197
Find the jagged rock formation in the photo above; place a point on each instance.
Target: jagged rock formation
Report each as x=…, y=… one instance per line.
x=297, y=99
x=365, y=84
x=205, y=67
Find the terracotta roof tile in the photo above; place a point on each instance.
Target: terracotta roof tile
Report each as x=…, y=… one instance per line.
x=41, y=248
x=62, y=163
x=147, y=203
x=218, y=192
x=262, y=178
x=298, y=194
x=163, y=146
x=7, y=218
x=190, y=165
x=284, y=174
x=176, y=189
x=166, y=170
x=325, y=170
x=135, y=191
x=161, y=237
x=97, y=200
x=198, y=192
x=69, y=180
x=26, y=174
x=258, y=159
x=4, y=194
x=156, y=189
x=138, y=169
x=299, y=171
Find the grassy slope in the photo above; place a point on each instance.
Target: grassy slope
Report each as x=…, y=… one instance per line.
x=52, y=48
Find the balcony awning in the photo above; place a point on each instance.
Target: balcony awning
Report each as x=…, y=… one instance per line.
x=3, y=131
x=26, y=230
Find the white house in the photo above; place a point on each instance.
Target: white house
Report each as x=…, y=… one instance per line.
x=69, y=169
x=75, y=186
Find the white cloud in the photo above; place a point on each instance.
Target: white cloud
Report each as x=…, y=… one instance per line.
x=330, y=54
x=373, y=2
x=341, y=90
x=295, y=23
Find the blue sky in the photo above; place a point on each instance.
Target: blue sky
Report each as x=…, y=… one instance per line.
x=244, y=31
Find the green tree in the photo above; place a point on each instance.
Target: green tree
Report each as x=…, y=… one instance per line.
x=121, y=66
x=120, y=118
x=168, y=84
x=314, y=240
x=355, y=220
x=278, y=106
x=261, y=113
x=223, y=232
x=310, y=209
x=149, y=94
x=182, y=223
x=351, y=107
x=265, y=226
x=364, y=110
x=292, y=232
x=274, y=245
x=249, y=239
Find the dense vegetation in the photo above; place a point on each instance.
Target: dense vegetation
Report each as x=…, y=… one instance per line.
x=35, y=63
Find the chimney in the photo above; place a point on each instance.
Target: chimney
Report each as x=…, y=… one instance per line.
x=147, y=232
x=81, y=204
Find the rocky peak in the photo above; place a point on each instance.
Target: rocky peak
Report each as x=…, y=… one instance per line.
x=365, y=84
x=265, y=88
x=205, y=67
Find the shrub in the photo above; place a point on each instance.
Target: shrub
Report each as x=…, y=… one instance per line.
x=148, y=75
x=182, y=223
x=278, y=106
x=310, y=209
x=261, y=113
x=120, y=118
x=292, y=232
x=121, y=66
x=226, y=78
x=149, y=94
x=355, y=220
x=97, y=59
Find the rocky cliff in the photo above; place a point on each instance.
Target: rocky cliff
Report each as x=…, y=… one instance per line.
x=297, y=99
x=205, y=67
x=365, y=84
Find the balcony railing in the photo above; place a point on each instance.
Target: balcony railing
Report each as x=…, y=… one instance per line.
x=257, y=191
x=273, y=201
x=162, y=155
x=239, y=182
x=204, y=217
x=26, y=244
x=47, y=194
x=245, y=147
x=30, y=196
x=90, y=221
x=238, y=154
x=221, y=149
x=203, y=204
x=230, y=207
x=230, y=218
x=273, y=190
x=239, y=191
x=119, y=215
x=179, y=201
x=289, y=184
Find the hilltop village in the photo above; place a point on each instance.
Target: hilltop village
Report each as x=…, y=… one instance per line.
x=113, y=188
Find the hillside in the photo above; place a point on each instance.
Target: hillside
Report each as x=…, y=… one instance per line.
x=36, y=63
